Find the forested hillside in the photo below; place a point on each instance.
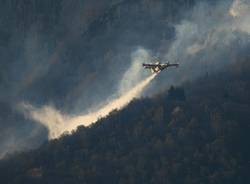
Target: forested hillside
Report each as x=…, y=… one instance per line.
x=195, y=133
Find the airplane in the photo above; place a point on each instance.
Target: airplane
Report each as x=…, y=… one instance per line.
x=158, y=67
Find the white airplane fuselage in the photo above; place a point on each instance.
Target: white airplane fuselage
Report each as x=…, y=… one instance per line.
x=158, y=67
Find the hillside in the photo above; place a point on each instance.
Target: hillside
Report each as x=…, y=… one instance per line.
x=198, y=133
x=58, y=52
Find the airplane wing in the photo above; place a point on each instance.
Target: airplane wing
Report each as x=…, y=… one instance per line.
x=176, y=65
x=149, y=65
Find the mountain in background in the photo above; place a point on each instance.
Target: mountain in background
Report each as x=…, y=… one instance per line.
x=71, y=55
x=197, y=133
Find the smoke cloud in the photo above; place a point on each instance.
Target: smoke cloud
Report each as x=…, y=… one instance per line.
x=210, y=26
x=208, y=38
x=239, y=8
x=134, y=74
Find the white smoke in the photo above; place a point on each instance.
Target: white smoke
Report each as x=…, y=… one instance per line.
x=240, y=10
x=134, y=74
x=58, y=122
x=210, y=26
x=208, y=38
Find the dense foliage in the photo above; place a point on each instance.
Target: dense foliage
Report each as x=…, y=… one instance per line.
x=195, y=134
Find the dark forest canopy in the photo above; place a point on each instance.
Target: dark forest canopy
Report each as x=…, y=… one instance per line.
x=195, y=134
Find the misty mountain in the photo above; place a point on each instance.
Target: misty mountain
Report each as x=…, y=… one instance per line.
x=75, y=56
x=72, y=54
x=196, y=133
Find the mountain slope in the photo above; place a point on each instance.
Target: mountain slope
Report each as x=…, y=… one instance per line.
x=59, y=52
x=193, y=134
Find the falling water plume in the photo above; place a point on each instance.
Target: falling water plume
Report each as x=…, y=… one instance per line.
x=58, y=123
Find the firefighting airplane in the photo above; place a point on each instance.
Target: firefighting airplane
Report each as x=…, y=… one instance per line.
x=158, y=67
